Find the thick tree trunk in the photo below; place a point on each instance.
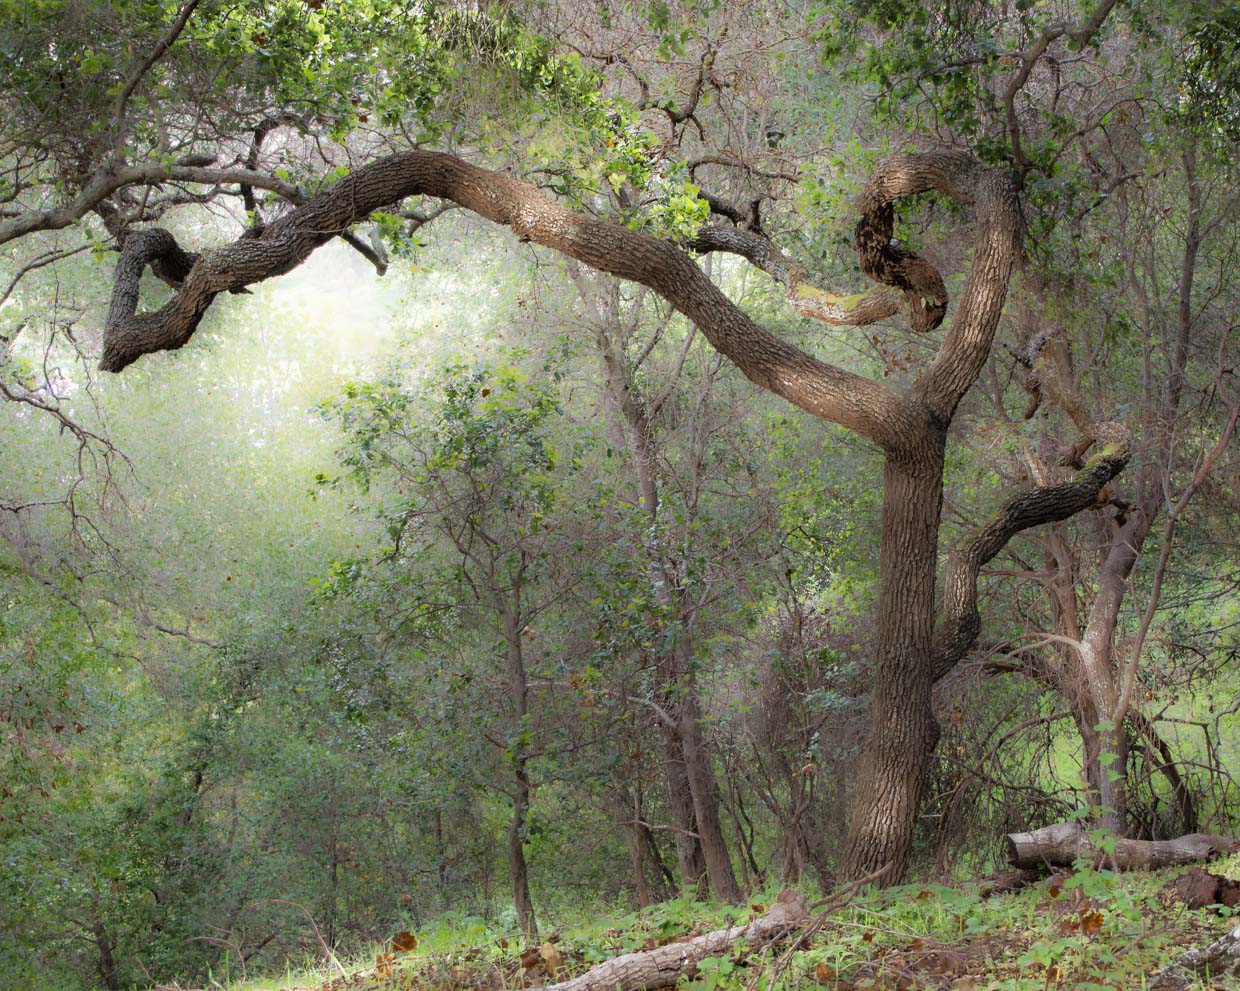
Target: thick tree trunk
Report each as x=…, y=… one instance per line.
x=908, y=426
x=1062, y=844
x=897, y=756
x=664, y=966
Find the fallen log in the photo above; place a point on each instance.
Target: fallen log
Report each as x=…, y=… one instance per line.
x=1220, y=959
x=662, y=966
x=1064, y=843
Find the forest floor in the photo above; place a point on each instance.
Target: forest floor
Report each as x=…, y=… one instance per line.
x=1087, y=930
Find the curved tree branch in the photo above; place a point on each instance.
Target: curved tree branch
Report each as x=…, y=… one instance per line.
x=960, y=620
x=858, y=310
x=108, y=180
x=996, y=247
x=870, y=408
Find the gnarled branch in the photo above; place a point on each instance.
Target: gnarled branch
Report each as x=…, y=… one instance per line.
x=960, y=620
x=859, y=310
x=870, y=408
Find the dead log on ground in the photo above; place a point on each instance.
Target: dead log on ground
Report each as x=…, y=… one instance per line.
x=1063, y=843
x=663, y=965
x=1220, y=959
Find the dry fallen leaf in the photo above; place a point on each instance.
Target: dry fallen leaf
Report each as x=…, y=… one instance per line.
x=551, y=958
x=404, y=942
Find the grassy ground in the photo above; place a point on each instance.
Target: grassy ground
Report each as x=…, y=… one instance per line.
x=1086, y=931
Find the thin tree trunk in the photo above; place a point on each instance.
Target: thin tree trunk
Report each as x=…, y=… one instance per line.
x=689, y=854
x=108, y=971
x=441, y=857
x=665, y=878
x=698, y=776
x=705, y=794
x=518, y=686
x=629, y=808
x=517, y=867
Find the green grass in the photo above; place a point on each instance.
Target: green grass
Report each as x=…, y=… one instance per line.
x=1086, y=931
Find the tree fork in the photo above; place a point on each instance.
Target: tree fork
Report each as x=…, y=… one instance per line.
x=911, y=427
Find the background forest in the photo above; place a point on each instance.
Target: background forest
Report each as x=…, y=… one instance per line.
x=446, y=577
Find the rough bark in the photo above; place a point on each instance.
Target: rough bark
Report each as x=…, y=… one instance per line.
x=663, y=966
x=910, y=427
x=870, y=408
x=896, y=759
x=1221, y=959
x=960, y=620
x=1063, y=843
